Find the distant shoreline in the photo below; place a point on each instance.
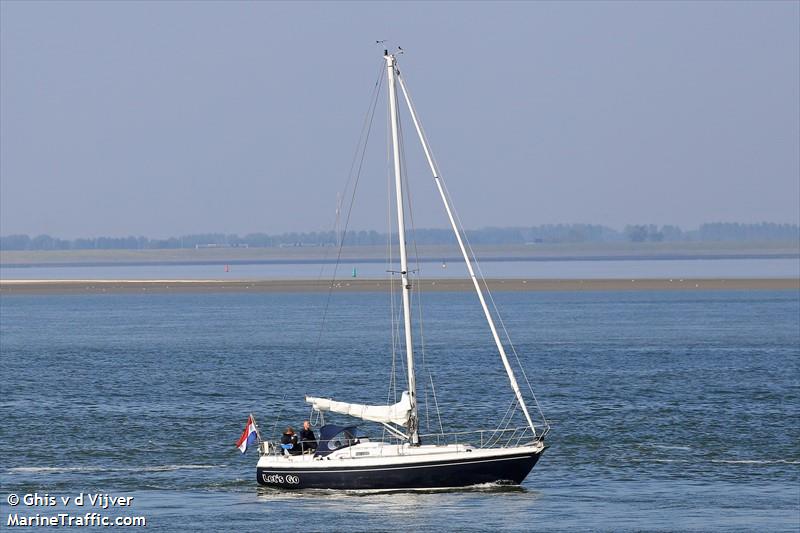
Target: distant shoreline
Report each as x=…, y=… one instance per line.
x=45, y=287
x=369, y=260
x=377, y=254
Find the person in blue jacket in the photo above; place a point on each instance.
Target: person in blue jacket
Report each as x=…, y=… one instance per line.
x=289, y=441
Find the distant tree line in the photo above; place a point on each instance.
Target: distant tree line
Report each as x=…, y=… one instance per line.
x=715, y=232
x=549, y=233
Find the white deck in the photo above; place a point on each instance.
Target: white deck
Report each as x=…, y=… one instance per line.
x=376, y=454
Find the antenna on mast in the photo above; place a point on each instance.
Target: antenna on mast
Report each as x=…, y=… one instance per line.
x=398, y=50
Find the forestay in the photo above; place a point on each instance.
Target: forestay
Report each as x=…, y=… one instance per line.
x=398, y=413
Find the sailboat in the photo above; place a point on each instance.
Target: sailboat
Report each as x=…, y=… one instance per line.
x=347, y=459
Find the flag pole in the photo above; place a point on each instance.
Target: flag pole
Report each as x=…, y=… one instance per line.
x=258, y=432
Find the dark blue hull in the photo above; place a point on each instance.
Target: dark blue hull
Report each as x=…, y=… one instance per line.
x=462, y=472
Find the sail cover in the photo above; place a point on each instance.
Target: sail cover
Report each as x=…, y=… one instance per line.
x=397, y=413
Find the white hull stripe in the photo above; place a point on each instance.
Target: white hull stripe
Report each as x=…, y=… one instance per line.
x=477, y=486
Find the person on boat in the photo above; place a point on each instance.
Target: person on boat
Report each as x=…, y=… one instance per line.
x=308, y=441
x=289, y=442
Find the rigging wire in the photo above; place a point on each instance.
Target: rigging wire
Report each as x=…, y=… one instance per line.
x=365, y=133
x=339, y=238
x=472, y=255
x=496, y=310
x=277, y=418
x=406, y=201
x=417, y=286
x=391, y=393
x=502, y=427
x=392, y=210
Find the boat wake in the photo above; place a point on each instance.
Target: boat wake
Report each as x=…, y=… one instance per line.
x=481, y=487
x=721, y=461
x=757, y=461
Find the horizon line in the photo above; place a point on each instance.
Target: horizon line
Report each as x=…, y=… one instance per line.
x=794, y=225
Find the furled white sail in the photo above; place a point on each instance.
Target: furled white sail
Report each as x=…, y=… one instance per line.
x=397, y=413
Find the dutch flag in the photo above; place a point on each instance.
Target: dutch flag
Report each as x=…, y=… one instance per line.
x=250, y=435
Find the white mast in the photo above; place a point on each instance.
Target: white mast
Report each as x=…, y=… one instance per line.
x=471, y=271
x=413, y=425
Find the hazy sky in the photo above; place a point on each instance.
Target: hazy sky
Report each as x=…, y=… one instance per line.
x=159, y=118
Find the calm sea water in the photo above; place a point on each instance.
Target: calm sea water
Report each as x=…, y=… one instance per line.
x=569, y=269
x=670, y=411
